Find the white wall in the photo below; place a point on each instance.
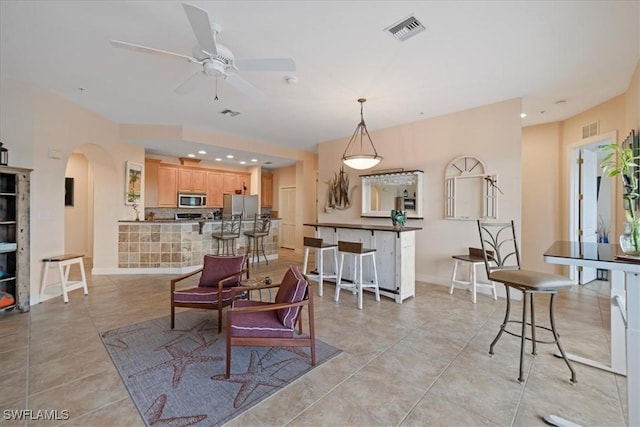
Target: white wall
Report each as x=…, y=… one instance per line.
x=492, y=133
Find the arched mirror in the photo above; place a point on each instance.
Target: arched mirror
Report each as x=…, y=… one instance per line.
x=399, y=190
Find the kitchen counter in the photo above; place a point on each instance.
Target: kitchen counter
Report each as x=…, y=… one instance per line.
x=177, y=246
x=395, y=254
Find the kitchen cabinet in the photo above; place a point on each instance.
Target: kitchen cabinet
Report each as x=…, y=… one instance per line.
x=167, y=186
x=14, y=236
x=151, y=182
x=214, y=189
x=192, y=181
x=266, y=190
x=234, y=181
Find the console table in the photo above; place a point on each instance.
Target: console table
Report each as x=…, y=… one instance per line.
x=625, y=310
x=395, y=254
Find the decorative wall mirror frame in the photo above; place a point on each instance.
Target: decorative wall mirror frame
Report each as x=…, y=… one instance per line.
x=397, y=189
x=470, y=192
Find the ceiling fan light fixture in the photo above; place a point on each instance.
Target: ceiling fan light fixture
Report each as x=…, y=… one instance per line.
x=361, y=159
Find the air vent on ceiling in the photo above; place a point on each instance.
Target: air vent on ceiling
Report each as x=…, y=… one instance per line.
x=590, y=130
x=229, y=112
x=405, y=29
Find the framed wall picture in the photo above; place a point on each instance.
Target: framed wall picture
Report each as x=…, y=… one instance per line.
x=68, y=191
x=133, y=183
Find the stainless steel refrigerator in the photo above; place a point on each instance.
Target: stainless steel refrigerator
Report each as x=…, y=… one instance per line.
x=237, y=203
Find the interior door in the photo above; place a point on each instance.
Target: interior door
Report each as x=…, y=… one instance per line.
x=288, y=217
x=588, y=204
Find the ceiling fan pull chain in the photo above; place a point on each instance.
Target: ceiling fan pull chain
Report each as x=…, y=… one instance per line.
x=216, y=98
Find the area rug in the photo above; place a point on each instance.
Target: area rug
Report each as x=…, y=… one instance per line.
x=176, y=377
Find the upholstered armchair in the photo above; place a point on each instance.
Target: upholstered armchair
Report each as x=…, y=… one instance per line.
x=257, y=323
x=218, y=275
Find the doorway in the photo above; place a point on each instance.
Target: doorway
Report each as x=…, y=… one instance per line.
x=288, y=217
x=591, y=201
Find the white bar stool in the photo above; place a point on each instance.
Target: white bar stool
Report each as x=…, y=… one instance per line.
x=64, y=263
x=472, y=260
x=357, y=285
x=320, y=248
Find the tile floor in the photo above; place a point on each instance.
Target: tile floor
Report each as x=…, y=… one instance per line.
x=424, y=362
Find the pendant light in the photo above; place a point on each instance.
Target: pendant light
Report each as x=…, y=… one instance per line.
x=360, y=159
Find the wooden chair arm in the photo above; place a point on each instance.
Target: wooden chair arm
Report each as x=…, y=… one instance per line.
x=186, y=276
x=229, y=279
x=269, y=307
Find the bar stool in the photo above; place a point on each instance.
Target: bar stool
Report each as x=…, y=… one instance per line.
x=504, y=266
x=261, y=227
x=229, y=232
x=472, y=260
x=320, y=248
x=357, y=285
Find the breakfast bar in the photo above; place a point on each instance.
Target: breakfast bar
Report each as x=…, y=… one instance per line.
x=395, y=254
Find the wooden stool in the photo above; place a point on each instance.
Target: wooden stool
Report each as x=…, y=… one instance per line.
x=320, y=248
x=64, y=263
x=357, y=284
x=472, y=260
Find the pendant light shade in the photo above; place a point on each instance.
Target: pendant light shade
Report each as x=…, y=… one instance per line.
x=356, y=156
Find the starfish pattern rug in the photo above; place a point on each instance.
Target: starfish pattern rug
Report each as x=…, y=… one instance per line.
x=177, y=377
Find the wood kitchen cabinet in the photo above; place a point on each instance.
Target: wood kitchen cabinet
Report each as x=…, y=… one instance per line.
x=167, y=186
x=192, y=181
x=266, y=190
x=233, y=182
x=214, y=189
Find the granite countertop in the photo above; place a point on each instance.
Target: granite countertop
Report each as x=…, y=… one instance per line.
x=367, y=227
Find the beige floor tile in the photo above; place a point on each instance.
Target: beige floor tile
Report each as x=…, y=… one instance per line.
x=434, y=410
x=120, y=413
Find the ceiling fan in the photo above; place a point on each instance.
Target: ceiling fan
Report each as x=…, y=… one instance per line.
x=214, y=58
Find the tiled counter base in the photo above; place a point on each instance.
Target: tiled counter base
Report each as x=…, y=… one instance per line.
x=173, y=246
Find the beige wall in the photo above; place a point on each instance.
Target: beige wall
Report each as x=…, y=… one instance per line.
x=76, y=217
x=491, y=132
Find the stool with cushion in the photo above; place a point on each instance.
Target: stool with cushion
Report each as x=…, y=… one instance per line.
x=357, y=285
x=217, y=276
x=320, y=248
x=503, y=265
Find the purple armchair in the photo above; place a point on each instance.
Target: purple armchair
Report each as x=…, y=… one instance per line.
x=219, y=274
x=257, y=323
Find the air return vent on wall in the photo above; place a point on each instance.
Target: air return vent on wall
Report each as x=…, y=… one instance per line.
x=405, y=29
x=590, y=130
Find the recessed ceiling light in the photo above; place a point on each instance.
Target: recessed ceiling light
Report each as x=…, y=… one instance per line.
x=523, y=115
x=254, y=160
x=202, y=152
x=218, y=159
x=191, y=155
x=229, y=156
x=242, y=162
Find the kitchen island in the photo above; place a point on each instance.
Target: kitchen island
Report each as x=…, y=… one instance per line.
x=177, y=246
x=395, y=254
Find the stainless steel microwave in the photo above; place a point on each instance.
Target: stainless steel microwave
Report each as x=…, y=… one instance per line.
x=191, y=200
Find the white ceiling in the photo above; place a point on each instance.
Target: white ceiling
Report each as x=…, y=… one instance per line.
x=561, y=57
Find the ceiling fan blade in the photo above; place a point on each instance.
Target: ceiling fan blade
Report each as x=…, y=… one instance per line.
x=266, y=64
x=190, y=84
x=144, y=49
x=246, y=88
x=199, y=20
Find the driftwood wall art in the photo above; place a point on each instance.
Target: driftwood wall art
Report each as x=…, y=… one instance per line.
x=338, y=194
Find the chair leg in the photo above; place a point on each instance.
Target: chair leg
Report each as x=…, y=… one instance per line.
x=453, y=276
x=219, y=319
x=336, y=297
x=264, y=254
x=358, y=263
x=173, y=314
x=534, y=350
x=556, y=337
x=305, y=260
x=228, y=371
x=320, y=255
x=504, y=322
x=523, y=338
x=472, y=279
x=375, y=277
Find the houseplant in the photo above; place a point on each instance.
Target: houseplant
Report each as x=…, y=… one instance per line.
x=620, y=161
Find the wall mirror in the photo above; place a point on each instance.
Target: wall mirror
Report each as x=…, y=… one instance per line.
x=398, y=189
